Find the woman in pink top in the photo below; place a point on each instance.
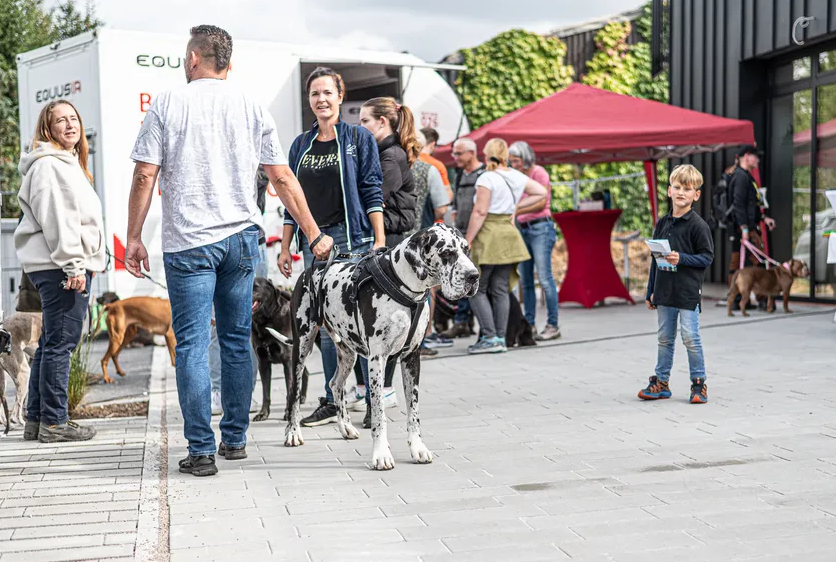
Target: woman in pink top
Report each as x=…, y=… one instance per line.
x=537, y=230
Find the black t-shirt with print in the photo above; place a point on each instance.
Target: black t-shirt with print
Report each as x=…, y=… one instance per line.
x=319, y=176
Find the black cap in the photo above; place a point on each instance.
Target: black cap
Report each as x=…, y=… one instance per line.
x=748, y=149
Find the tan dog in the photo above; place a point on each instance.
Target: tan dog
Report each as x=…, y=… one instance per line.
x=25, y=329
x=768, y=282
x=123, y=319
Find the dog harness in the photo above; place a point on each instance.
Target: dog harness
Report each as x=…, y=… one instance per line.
x=374, y=267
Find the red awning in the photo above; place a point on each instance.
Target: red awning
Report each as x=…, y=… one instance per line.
x=585, y=125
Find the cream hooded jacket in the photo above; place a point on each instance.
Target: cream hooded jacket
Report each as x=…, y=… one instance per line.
x=62, y=226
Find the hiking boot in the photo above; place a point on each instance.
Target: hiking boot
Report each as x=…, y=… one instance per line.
x=699, y=391
x=30, y=430
x=549, y=333
x=435, y=340
x=485, y=345
x=324, y=414
x=459, y=330
x=367, y=419
x=203, y=465
x=427, y=352
x=65, y=432
x=232, y=453
x=656, y=390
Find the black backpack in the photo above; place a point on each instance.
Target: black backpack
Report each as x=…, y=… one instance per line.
x=721, y=205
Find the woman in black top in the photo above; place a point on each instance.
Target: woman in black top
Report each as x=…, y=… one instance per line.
x=393, y=127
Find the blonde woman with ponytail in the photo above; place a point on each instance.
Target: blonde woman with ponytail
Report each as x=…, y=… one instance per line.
x=393, y=128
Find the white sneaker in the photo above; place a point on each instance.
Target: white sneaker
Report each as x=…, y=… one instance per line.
x=217, y=409
x=355, y=398
x=390, y=399
x=254, y=406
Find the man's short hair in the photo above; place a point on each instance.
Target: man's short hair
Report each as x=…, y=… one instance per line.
x=430, y=134
x=686, y=175
x=466, y=144
x=210, y=41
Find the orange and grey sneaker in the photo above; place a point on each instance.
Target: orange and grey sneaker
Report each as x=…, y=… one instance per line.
x=656, y=390
x=699, y=391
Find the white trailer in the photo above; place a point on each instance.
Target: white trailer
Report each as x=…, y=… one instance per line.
x=113, y=76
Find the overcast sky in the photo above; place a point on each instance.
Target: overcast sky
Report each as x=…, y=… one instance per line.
x=430, y=29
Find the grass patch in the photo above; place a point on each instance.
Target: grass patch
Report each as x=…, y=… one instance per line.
x=79, y=373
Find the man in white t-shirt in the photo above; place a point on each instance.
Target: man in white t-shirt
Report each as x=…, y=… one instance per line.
x=205, y=141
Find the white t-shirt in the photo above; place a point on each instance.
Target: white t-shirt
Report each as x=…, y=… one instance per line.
x=507, y=186
x=208, y=140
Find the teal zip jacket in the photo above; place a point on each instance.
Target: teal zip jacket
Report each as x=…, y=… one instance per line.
x=360, y=175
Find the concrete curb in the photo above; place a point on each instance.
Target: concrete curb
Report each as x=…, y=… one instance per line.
x=152, y=529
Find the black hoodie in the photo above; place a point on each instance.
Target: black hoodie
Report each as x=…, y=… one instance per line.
x=399, y=199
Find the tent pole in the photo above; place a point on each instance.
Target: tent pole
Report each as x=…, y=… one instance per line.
x=652, y=178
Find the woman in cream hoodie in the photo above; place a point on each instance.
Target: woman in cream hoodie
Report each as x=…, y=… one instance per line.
x=60, y=243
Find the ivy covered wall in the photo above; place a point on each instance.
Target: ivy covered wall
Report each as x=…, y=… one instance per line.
x=518, y=67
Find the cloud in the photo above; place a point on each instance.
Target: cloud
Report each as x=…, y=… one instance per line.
x=430, y=29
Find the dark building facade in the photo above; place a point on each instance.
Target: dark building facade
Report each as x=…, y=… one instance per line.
x=772, y=62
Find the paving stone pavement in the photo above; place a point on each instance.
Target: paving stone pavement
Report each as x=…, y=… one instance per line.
x=547, y=454
x=72, y=501
x=540, y=454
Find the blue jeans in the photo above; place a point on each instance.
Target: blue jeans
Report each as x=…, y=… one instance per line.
x=462, y=315
x=261, y=268
x=220, y=273
x=539, y=239
x=215, y=361
x=63, y=319
x=690, y=328
x=327, y=347
x=214, y=344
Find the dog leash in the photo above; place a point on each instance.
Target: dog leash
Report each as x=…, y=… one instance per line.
x=151, y=279
x=759, y=255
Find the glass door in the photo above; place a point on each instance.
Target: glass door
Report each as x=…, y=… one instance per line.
x=803, y=157
x=822, y=274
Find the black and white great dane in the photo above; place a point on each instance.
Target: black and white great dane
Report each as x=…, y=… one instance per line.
x=364, y=319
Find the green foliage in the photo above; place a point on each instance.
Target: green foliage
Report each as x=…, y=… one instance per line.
x=27, y=25
x=612, y=67
x=511, y=70
x=79, y=373
x=625, y=69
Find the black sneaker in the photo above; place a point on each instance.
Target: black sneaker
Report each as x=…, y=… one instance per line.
x=367, y=419
x=30, y=430
x=232, y=453
x=65, y=432
x=203, y=465
x=324, y=414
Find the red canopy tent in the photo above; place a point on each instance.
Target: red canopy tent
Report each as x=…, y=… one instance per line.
x=585, y=125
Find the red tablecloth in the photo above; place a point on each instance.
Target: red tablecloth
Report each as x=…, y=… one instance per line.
x=590, y=275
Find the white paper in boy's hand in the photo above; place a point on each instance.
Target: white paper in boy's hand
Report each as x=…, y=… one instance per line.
x=659, y=246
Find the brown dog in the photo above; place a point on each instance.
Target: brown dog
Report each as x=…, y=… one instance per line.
x=124, y=317
x=768, y=282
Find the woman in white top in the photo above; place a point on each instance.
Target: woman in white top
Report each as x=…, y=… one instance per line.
x=60, y=243
x=496, y=244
